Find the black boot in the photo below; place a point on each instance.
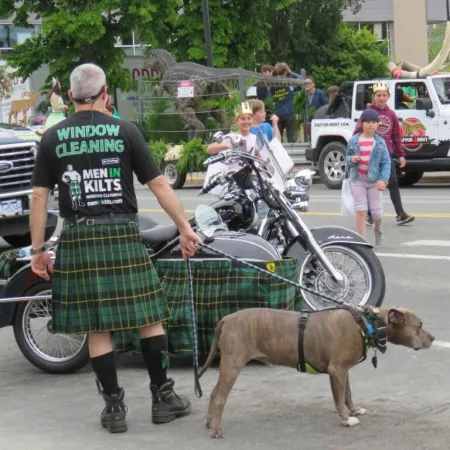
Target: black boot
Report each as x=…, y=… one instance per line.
x=167, y=405
x=113, y=416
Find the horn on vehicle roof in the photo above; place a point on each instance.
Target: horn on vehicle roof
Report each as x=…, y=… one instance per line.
x=433, y=67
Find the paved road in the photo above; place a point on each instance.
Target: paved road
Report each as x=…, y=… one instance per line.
x=407, y=396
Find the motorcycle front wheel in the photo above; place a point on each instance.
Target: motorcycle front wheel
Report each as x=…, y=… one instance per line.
x=365, y=282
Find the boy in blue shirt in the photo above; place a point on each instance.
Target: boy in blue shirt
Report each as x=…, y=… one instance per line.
x=259, y=124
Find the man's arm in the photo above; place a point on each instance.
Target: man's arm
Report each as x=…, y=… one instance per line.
x=169, y=202
x=38, y=216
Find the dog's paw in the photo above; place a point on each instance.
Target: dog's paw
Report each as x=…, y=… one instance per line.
x=208, y=421
x=216, y=433
x=359, y=412
x=351, y=422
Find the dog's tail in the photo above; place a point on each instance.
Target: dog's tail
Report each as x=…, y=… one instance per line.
x=214, y=346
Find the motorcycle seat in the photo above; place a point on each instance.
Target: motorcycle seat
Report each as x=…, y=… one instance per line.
x=159, y=234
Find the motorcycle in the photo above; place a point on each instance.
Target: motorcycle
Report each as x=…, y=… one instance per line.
x=332, y=260
x=25, y=303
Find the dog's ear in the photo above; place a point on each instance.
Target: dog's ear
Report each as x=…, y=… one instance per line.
x=395, y=316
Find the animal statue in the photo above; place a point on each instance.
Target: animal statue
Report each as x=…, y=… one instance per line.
x=23, y=105
x=410, y=70
x=209, y=84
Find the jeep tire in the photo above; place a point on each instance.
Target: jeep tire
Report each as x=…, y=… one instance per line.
x=332, y=164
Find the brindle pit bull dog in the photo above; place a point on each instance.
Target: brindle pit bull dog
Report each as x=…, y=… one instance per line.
x=332, y=344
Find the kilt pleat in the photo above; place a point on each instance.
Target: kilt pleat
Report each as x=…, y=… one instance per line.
x=104, y=281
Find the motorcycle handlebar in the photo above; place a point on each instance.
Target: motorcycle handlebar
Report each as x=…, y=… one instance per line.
x=211, y=186
x=214, y=159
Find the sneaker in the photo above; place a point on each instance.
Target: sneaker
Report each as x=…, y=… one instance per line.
x=404, y=218
x=167, y=405
x=369, y=220
x=379, y=237
x=113, y=416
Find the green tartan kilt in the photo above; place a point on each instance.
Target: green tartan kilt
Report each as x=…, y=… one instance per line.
x=104, y=281
x=221, y=287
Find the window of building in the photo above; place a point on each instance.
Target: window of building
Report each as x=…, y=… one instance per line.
x=131, y=44
x=11, y=35
x=381, y=30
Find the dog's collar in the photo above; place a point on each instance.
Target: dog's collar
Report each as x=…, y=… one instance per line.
x=373, y=332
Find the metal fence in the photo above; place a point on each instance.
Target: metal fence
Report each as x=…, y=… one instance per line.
x=210, y=100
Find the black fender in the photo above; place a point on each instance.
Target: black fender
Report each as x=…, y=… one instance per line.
x=16, y=286
x=324, y=236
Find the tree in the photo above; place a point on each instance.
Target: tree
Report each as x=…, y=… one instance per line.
x=352, y=55
x=80, y=31
x=238, y=31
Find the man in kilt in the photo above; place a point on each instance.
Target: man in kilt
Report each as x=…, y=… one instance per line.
x=103, y=279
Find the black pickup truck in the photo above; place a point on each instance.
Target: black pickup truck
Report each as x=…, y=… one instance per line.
x=18, y=149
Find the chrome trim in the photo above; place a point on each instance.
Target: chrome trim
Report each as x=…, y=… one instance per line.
x=19, y=144
x=25, y=152
x=15, y=183
x=24, y=174
x=15, y=194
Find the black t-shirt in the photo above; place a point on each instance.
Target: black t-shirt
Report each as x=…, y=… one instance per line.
x=92, y=157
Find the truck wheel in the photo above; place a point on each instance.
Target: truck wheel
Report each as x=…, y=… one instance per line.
x=409, y=178
x=332, y=164
x=24, y=240
x=174, y=178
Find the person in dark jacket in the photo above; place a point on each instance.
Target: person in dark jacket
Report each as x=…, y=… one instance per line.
x=284, y=102
x=389, y=130
x=316, y=98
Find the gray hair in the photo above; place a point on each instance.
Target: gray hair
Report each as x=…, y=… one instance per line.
x=86, y=81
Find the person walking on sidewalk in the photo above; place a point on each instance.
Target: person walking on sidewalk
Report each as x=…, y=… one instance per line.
x=389, y=130
x=370, y=167
x=103, y=279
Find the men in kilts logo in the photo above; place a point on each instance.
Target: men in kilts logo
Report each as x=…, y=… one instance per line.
x=103, y=280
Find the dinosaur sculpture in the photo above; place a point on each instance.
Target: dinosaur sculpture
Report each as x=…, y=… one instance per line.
x=208, y=84
x=409, y=70
x=23, y=105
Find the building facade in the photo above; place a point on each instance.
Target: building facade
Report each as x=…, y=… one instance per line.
x=402, y=23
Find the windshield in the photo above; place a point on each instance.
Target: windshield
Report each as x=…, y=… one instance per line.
x=442, y=86
x=267, y=153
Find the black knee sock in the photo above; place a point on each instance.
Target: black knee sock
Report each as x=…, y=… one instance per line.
x=105, y=368
x=153, y=349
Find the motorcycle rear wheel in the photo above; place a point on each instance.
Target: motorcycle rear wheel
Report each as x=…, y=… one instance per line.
x=50, y=352
x=367, y=287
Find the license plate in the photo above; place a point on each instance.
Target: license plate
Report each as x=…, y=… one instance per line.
x=11, y=207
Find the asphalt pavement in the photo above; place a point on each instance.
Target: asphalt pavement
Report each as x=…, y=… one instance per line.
x=407, y=397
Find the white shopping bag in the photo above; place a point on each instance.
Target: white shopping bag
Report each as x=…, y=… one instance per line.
x=282, y=156
x=347, y=203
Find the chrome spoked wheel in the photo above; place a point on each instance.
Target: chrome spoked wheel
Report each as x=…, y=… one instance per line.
x=351, y=264
x=51, y=347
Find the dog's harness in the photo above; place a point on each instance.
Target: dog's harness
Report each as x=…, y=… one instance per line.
x=373, y=334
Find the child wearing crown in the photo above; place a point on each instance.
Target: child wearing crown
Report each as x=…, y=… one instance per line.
x=246, y=141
